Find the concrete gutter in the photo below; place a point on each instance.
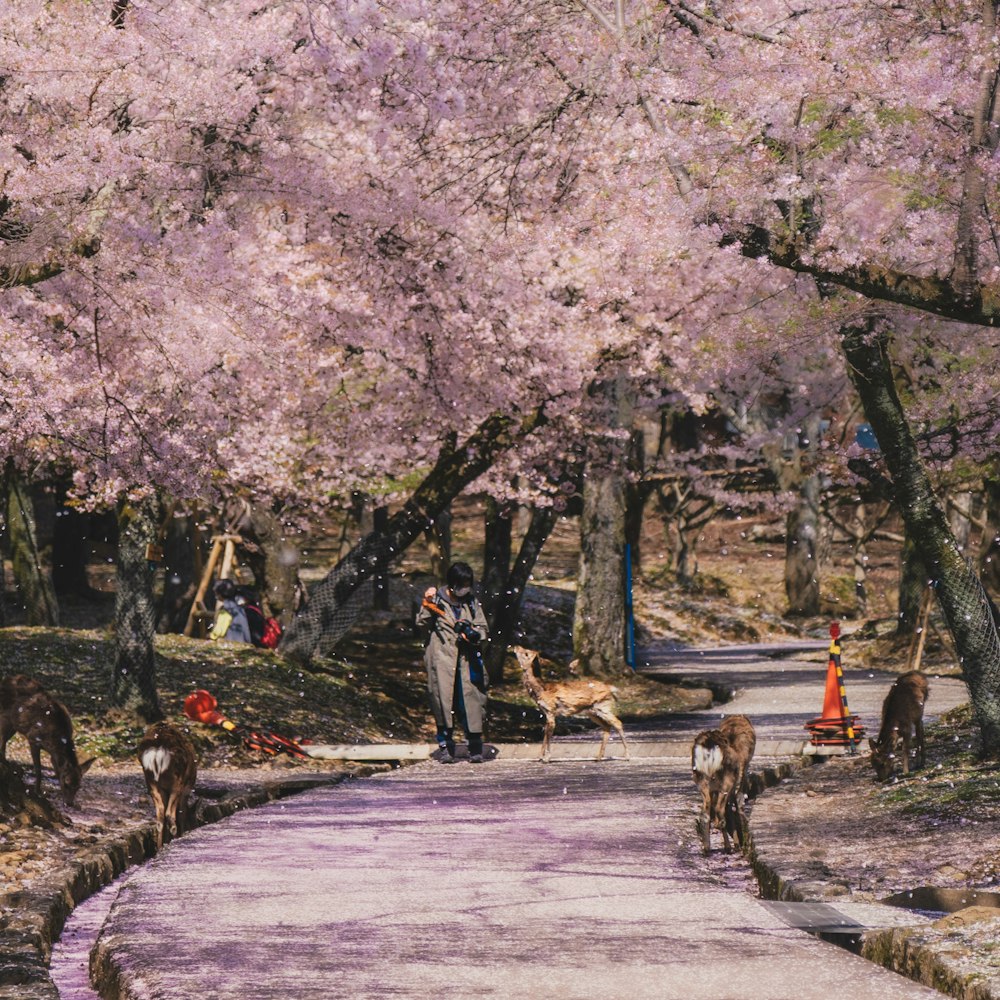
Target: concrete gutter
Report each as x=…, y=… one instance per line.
x=932, y=952
x=562, y=750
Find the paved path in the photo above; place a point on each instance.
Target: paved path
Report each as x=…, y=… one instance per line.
x=511, y=879
x=781, y=692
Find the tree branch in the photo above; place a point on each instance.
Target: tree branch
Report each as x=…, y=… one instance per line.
x=931, y=294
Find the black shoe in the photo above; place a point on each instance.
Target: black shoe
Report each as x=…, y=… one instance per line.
x=475, y=758
x=447, y=758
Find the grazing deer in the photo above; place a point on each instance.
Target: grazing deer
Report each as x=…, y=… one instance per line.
x=592, y=699
x=27, y=708
x=902, y=718
x=169, y=767
x=719, y=761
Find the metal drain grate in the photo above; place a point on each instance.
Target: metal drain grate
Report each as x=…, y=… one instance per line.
x=815, y=918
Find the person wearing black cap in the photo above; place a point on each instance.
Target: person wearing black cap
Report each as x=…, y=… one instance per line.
x=455, y=628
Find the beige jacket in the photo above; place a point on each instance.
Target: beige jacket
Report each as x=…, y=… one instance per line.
x=456, y=678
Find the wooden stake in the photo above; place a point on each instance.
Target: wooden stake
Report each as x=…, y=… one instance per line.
x=916, y=655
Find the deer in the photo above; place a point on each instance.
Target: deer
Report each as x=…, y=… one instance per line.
x=593, y=699
x=170, y=767
x=902, y=720
x=27, y=708
x=720, y=759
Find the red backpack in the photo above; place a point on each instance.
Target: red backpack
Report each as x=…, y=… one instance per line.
x=272, y=633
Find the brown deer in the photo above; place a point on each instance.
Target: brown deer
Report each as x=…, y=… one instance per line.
x=902, y=719
x=719, y=761
x=27, y=708
x=170, y=767
x=593, y=699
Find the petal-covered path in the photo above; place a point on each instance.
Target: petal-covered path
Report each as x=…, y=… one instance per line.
x=510, y=879
x=507, y=880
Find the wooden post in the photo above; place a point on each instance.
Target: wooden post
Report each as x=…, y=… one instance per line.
x=228, y=558
x=220, y=544
x=917, y=643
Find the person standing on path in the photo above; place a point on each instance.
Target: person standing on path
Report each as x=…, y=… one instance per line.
x=455, y=629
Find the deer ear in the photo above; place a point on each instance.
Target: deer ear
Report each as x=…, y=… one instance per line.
x=85, y=766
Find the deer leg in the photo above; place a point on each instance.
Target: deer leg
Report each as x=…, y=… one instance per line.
x=5, y=734
x=904, y=742
x=36, y=760
x=919, y=726
x=171, y=813
x=609, y=721
x=735, y=817
x=550, y=725
x=158, y=805
x=605, y=735
x=703, y=823
x=719, y=819
x=620, y=729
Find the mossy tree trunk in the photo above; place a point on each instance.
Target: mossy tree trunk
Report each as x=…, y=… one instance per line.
x=963, y=601
x=32, y=566
x=133, y=682
x=599, y=612
x=803, y=531
x=279, y=583
x=912, y=584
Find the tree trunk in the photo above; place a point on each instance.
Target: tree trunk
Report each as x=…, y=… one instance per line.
x=637, y=494
x=32, y=574
x=506, y=622
x=326, y=617
x=961, y=596
x=803, y=538
x=960, y=510
x=438, y=536
x=497, y=532
x=180, y=577
x=276, y=567
x=380, y=585
x=133, y=684
x=912, y=584
x=599, y=614
x=859, y=550
x=989, y=552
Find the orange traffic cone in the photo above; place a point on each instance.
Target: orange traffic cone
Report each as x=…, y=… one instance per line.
x=836, y=726
x=833, y=707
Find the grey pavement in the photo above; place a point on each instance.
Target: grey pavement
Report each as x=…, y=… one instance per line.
x=781, y=686
x=510, y=879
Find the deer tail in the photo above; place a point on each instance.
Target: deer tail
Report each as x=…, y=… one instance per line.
x=155, y=761
x=707, y=759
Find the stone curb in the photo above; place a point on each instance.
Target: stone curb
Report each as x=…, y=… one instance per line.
x=927, y=956
x=32, y=919
x=923, y=954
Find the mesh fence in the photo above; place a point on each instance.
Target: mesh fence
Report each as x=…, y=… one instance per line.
x=330, y=613
x=970, y=615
